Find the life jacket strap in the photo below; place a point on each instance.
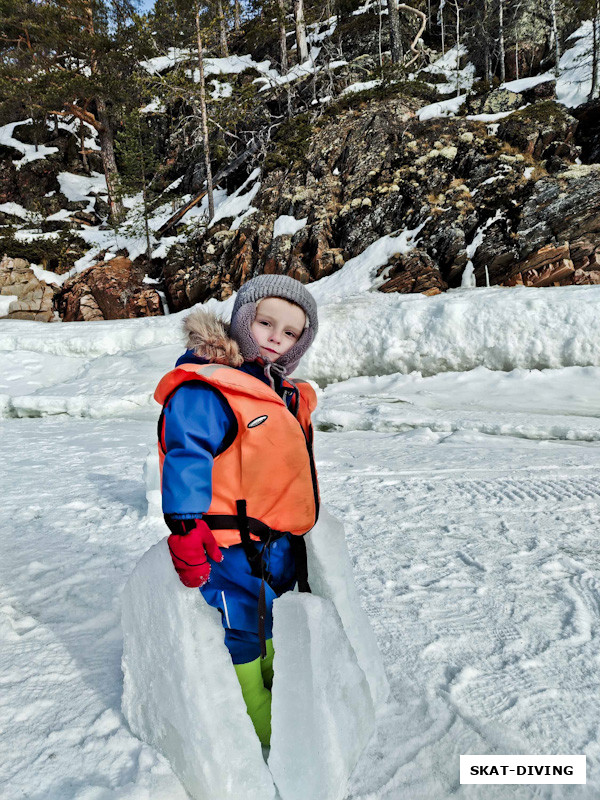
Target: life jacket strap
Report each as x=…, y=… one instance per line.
x=247, y=525
x=298, y=544
x=218, y=522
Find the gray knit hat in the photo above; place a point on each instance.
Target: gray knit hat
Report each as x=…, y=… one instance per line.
x=244, y=312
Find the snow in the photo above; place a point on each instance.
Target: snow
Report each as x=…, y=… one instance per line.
x=43, y=274
x=499, y=328
x=574, y=81
x=174, y=185
x=29, y=150
x=77, y=188
x=61, y=214
x=468, y=276
x=17, y=210
x=358, y=273
x=443, y=108
x=233, y=65
x=543, y=405
x=221, y=90
x=331, y=577
x=239, y=219
x=89, y=142
x=493, y=117
x=448, y=65
x=322, y=713
x=173, y=642
x=5, y=301
x=527, y=83
x=24, y=235
x=237, y=204
x=288, y=226
x=575, y=68
x=309, y=67
x=361, y=86
x=156, y=106
x=457, y=438
x=160, y=63
x=314, y=38
x=180, y=691
x=466, y=480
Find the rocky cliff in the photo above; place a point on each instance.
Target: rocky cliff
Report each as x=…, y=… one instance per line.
x=501, y=186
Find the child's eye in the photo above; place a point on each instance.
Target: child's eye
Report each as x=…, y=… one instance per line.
x=263, y=322
x=292, y=333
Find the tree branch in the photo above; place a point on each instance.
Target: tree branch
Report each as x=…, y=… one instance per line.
x=80, y=113
x=413, y=46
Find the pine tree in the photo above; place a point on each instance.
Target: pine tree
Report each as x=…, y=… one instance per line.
x=76, y=59
x=138, y=163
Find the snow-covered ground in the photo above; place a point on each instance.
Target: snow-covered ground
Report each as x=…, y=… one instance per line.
x=458, y=440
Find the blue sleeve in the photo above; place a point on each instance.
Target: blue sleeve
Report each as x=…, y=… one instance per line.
x=196, y=421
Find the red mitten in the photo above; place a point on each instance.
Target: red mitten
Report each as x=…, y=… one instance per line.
x=189, y=553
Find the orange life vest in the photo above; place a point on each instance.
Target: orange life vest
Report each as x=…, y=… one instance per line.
x=269, y=464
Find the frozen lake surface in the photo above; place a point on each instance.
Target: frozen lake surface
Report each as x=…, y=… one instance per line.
x=471, y=504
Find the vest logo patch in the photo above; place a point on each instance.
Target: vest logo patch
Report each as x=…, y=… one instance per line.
x=258, y=421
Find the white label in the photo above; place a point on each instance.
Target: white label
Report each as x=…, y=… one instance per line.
x=522, y=769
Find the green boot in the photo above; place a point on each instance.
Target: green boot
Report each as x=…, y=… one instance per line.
x=257, y=698
x=266, y=665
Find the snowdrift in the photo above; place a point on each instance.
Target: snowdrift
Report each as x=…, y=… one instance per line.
x=322, y=714
x=111, y=370
x=330, y=575
x=181, y=693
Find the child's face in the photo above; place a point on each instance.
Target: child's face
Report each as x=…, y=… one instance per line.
x=277, y=326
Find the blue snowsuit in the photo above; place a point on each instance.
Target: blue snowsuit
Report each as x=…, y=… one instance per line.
x=197, y=423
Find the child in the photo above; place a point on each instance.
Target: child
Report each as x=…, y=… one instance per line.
x=239, y=485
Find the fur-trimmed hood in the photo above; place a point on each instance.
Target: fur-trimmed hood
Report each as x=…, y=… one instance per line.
x=208, y=336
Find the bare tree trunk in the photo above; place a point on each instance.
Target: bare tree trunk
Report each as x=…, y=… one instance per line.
x=440, y=19
x=84, y=158
x=595, y=59
x=555, y=36
x=282, y=35
x=209, y=186
x=379, y=35
x=395, y=42
x=223, y=48
x=237, y=15
x=300, y=31
x=107, y=148
x=501, y=41
x=486, y=44
x=457, y=11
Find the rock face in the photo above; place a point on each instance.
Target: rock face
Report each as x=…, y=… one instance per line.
x=109, y=290
x=34, y=297
x=413, y=272
x=535, y=128
x=374, y=169
x=501, y=100
x=559, y=265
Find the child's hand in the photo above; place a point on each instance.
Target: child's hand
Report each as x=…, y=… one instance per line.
x=189, y=553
